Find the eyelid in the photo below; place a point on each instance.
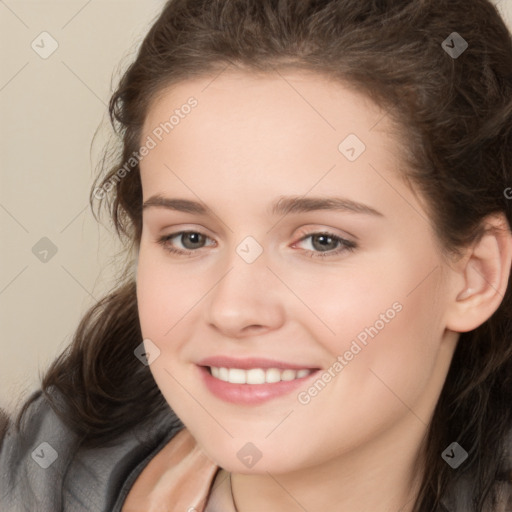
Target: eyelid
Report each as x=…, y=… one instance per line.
x=163, y=239
x=344, y=244
x=318, y=229
x=180, y=227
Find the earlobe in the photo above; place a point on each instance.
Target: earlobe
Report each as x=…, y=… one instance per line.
x=485, y=273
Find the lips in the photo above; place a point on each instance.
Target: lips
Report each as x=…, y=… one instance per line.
x=235, y=380
x=252, y=362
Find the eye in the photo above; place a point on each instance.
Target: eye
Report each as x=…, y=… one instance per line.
x=323, y=244
x=190, y=241
x=326, y=244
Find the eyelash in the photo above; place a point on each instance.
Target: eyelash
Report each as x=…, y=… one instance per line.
x=345, y=245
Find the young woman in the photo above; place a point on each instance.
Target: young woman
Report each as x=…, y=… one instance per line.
x=318, y=314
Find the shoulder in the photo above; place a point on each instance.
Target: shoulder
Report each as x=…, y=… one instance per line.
x=44, y=467
x=27, y=454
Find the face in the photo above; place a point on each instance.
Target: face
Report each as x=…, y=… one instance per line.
x=278, y=233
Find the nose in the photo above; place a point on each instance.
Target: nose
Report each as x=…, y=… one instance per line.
x=246, y=300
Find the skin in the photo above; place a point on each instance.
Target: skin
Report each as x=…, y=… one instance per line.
x=250, y=140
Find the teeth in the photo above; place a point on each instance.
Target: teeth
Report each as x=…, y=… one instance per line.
x=223, y=373
x=237, y=376
x=288, y=374
x=254, y=376
x=257, y=375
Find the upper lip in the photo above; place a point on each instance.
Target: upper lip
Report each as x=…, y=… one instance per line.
x=251, y=362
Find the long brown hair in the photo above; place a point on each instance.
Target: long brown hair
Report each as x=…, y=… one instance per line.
x=455, y=116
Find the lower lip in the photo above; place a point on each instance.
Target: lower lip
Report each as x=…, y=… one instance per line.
x=250, y=394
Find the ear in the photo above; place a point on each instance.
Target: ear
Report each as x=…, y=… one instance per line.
x=481, y=277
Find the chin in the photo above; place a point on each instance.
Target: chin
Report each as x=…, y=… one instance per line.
x=250, y=458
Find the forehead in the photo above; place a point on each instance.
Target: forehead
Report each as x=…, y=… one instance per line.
x=267, y=133
x=273, y=100
x=265, y=114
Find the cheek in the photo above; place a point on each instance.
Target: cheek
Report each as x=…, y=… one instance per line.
x=407, y=354
x=340, y=304
x=164, y=294
x=383, y=320
x=387, y=345
x=164, y=298
x=382, y=367
x=393, y=295
x=152, y=296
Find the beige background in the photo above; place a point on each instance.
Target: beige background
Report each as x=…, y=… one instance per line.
x=50, y=110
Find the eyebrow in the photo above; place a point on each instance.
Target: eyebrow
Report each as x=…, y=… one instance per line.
x=283, y=206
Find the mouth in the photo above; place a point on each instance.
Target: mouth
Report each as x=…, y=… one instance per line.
x=252, y=381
